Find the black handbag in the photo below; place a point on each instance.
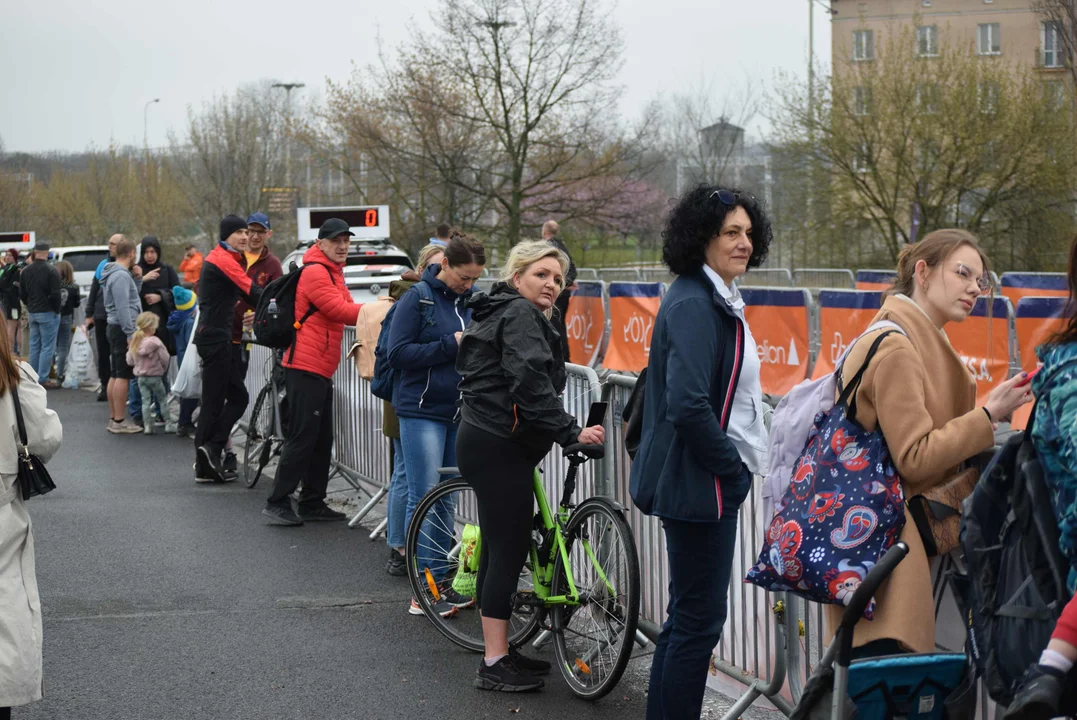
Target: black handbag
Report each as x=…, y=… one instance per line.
x=33, y=479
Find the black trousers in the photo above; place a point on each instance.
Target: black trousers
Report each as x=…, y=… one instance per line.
x=308, y=443
x=104, y=352
x=224, y=393
x=500, y=471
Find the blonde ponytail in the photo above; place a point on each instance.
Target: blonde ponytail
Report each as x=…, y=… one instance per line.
x=145, y=324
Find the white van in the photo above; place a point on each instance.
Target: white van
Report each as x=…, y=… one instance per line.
x=84, y=258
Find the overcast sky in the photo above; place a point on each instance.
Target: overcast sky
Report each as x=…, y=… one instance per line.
x=75, y=74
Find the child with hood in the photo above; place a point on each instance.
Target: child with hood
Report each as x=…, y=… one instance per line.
x=181, y=325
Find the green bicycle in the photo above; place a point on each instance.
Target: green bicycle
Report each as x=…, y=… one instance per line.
x=581, y=583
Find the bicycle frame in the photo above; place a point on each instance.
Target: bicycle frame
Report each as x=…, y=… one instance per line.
x=542, y=573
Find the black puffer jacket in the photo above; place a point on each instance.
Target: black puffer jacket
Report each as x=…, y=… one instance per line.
x=512, y=370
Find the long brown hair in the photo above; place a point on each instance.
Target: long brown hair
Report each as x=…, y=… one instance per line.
x=933, y=250
x=9, y=364
x=67, y=272
x=1068, y=334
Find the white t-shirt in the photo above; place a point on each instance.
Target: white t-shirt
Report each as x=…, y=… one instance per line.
x=746, y=429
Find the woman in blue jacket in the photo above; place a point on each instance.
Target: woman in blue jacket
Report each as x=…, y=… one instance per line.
x=423, y=341
x=703, y=436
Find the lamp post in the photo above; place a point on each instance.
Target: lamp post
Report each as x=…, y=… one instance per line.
x=145, y=119
x=288, y=87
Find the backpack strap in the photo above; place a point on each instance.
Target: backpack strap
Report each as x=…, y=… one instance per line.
x=426, y=301
x=311, y=309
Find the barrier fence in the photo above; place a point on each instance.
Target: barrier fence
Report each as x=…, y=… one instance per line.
x=759, y=648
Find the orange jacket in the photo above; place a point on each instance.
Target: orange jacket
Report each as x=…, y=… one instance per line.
x=317, y=343
x=191, y=267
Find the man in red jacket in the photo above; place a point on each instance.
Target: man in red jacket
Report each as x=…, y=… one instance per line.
x=308, y=374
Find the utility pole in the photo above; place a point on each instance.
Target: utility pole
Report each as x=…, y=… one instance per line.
x=288, y=87
x=145, y=120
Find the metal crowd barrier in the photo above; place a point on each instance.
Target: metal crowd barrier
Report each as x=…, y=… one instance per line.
x=824, y=278
x=771, y=641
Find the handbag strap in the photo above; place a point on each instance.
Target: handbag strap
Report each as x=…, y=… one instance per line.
x=854, y=384
x=18, y=417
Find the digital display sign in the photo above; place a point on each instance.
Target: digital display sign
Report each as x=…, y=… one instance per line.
x=355, y=217
x=8, y=238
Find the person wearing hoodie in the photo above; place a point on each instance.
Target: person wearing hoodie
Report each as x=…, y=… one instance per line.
x=308, y=380
x=397, y=500
x=512, y=376
x=97, y=320
x=181, y=325
x=158, y=279
x=120, y=280
x=224, y=393
x=423, y=341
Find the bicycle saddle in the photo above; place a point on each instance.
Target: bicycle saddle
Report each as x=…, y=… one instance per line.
x=594, y=452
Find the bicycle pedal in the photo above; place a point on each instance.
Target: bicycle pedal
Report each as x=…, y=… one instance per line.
x=526, y=600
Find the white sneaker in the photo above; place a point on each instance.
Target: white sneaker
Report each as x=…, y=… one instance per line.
x=148, y=428
x=114, y=427
x=170, y=429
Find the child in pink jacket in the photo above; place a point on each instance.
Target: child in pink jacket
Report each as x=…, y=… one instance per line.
x=149, y=356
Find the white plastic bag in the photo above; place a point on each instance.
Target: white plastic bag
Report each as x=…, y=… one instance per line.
x=79, y=359
x=189, y=378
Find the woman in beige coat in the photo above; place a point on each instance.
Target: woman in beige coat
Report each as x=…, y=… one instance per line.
x=20, y=606
x=923, y=397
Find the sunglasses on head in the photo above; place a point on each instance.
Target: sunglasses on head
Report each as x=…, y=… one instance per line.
x=730, y=198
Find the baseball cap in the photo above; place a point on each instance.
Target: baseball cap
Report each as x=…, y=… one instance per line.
x=41, y=246
x=259, y=219
x=334, y=227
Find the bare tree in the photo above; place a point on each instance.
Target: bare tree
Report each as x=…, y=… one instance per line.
x=233, y=147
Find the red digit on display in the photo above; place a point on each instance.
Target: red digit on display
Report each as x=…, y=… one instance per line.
x=371, y=219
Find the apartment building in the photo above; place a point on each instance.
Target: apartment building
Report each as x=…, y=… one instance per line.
x=1009, y=29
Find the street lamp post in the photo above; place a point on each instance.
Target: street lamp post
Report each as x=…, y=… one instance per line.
x=145, y=119
x=288, y=87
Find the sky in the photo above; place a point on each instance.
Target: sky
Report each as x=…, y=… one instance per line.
x=77, y=74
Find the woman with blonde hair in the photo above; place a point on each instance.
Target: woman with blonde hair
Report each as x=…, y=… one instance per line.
x=149, y=357
x=513, y=373
x=919, y=393
x=20, y=605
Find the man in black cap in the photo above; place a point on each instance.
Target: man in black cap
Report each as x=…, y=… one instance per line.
x=224, y=394
x=39, y=289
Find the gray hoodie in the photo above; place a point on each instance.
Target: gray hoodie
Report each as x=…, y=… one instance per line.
x=121, y=297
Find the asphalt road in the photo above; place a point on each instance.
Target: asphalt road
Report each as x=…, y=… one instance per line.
x=167, y=599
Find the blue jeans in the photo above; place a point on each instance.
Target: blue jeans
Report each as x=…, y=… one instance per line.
x=43, y=329
x=700, y=563
x=398, y=499
x=429, y=445
x=63, y=344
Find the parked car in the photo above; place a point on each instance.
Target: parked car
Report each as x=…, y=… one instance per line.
x=371, y=266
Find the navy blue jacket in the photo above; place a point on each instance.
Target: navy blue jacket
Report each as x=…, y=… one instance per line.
x=424, y=354
x=686, y=467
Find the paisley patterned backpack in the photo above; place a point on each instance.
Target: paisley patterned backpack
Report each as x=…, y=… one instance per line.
x=842, y=511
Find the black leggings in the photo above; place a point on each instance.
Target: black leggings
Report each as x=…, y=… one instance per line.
x=500, y=472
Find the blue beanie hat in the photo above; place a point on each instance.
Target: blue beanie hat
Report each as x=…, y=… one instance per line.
x=185, y=299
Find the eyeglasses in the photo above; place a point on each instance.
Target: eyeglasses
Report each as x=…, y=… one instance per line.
x=252, y=231
x=727, y=197
x=983, y=282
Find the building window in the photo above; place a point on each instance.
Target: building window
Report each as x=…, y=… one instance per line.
x=1051, y=43
x=862, y=100
x=988, y=93
x=989, y=39
x=861, y=158
x=863, y=45
x=927, y=98
x=1054, y=94
x=927, y=40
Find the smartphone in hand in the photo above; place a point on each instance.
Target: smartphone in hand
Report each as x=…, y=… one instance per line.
x=597, y=414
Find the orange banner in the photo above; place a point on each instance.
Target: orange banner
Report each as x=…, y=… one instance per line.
x=1021, y=285
x=874, y=279
x=984, y=344
x=1036, y=319
x=585, y=323
x=633, y=308
x=779, y=323
x=843, y=316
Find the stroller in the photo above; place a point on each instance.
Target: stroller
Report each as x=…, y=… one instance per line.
x=928, y=686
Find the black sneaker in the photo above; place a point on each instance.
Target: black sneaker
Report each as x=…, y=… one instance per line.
x=231, y=463
x=185, y=431
x=1039, y=694
x=531, y=666
x=505, y=676
x=449, y=595
x=280, y=515
x=211, y=463
x=321, y=513
x=102, y=394
x=159, y=420
x=396, y=565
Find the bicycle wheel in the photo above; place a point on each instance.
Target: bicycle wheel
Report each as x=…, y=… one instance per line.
x=432, y=553
x=258, y=446
x=593, y=640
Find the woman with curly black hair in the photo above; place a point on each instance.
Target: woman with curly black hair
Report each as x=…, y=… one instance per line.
x=703, y=436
